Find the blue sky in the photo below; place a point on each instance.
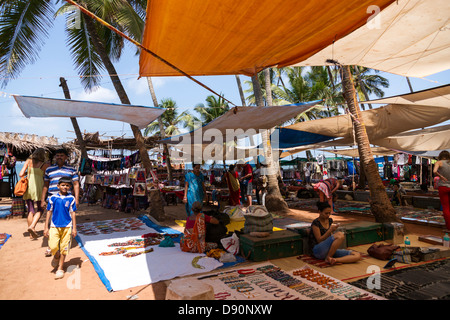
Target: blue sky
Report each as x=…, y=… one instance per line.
x=42, y=79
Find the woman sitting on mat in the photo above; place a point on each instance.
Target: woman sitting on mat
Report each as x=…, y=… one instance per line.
x=324, y=244
x=193, y=239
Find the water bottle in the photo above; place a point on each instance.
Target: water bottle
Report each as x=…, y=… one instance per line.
x=446, y=241
x=407, y=242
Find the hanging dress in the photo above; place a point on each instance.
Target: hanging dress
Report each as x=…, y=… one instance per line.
x=195, y=190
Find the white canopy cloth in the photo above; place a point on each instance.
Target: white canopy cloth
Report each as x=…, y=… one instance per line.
x=431, y=139
x=241, y=121
x=408, y=38
x=48, y=107
x=434, y=97
x=380, y=123
x=354, y=153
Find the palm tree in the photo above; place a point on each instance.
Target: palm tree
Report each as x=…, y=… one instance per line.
x=215, y=107
x=368, y=82
x=172, y=120
x=380, y=204
x=168, y=124
x=24, y=25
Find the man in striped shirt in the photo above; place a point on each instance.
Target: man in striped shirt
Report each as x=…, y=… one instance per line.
x=56, y=172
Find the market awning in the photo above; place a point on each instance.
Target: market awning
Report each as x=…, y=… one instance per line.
x=211, y=37
x=431, y=139
x=354, y=153
x=434, y=97
x=409, y=38
x=240, y=122
x=48, y=107
x=380, y=123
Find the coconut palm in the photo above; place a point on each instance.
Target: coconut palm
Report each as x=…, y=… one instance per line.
x=172, y=120
x=24, y=26
x=368, y=81
x=215, y=107
x=380, y=204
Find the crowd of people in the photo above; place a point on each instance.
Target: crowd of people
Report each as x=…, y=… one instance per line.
x=56, y=188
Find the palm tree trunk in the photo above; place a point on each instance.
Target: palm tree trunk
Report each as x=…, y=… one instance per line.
x=156, y=205
x=380, y=204
x=241, y=92
x=161, y=130
x=273, y=201
x=268, y=87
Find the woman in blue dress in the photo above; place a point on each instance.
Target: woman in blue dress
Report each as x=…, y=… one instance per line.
x=194, y=189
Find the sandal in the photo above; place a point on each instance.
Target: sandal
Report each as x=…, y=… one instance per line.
x=48, y=253
x=59, y=274
x=33, y=233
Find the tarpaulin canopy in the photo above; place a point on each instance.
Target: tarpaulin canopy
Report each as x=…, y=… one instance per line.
x=409, y=38
x=211, y=37
x=435, y=138
x=354, y=153
x=428, y=154
x=381, y=122
x=48, y=107
x=240, y=122
x=434, y=97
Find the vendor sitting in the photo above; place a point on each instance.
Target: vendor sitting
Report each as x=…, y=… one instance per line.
x=193, y=239
x=324, y=242
x=397, y=198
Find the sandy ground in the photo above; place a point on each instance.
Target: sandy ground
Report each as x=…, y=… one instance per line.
x=26, y=274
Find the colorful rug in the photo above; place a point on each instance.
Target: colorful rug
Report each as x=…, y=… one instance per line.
x=268, y=282
x=430, y=281
x=126, y=253
x=3, y=238
x=322, y=263
x=5, y=211
x=419, y=215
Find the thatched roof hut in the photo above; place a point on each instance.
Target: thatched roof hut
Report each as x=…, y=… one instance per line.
x=22, y=145
x=93, y=141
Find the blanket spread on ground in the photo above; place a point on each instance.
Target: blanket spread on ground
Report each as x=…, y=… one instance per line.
x=266, y=281
x=120, y=263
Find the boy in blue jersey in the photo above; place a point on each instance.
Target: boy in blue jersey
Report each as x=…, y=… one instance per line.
x=52, y=176
x=61, y=212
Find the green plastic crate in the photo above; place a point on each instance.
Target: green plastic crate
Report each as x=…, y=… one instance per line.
x=363, y=232
x=280, y=244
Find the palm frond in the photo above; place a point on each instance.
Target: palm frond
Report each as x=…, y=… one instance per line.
x=23, y=27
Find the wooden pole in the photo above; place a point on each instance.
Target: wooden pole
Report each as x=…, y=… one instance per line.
x=82, y=143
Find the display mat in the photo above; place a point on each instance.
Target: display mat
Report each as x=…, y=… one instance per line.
x=125, y=254
x=428, y=281
x=266, y=281
x=3, y=238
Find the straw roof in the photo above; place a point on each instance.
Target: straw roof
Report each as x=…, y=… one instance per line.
x=23, y=145
x=93, y=141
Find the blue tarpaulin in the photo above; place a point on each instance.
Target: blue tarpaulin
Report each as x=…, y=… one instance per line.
x=289, y=138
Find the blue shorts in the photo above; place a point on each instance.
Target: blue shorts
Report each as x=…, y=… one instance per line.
x=320, y=250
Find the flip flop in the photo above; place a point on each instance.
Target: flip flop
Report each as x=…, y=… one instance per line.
x=59, y=274
x=33, y=233
x=48, y=253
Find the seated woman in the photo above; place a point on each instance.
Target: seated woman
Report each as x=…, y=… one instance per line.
x=193, y=239
x=324, y=244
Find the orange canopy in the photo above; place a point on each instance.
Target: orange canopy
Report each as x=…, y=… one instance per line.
x=211, y=37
